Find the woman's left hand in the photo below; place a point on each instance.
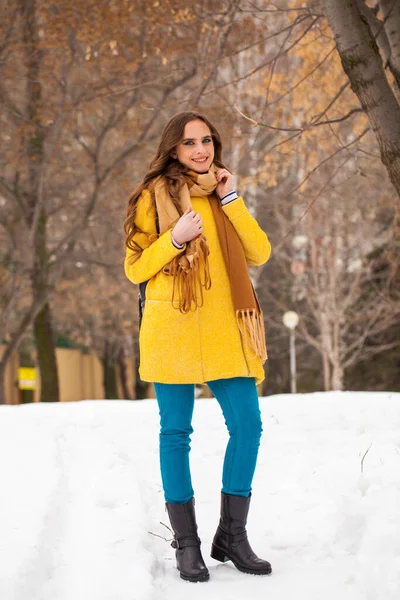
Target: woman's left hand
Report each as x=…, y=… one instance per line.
x=226, y=182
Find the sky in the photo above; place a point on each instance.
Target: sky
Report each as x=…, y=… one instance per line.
x=82, y=507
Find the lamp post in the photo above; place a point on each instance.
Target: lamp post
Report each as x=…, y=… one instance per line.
x=290, y=320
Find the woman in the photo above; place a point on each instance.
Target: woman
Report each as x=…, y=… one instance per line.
x=190, y=235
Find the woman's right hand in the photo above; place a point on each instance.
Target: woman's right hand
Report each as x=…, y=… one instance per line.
x=189, y=226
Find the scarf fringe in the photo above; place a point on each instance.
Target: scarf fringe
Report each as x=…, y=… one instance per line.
x=191, y=273
x=252, y=330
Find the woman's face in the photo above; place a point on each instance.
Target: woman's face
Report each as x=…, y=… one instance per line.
x=196, y=149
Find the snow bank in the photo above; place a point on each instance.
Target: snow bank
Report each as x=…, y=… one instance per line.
x=81, y=498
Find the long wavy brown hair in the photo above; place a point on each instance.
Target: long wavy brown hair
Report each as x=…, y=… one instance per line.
x=171, y=168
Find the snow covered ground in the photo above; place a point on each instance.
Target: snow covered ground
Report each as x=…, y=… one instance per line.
x=80, y=493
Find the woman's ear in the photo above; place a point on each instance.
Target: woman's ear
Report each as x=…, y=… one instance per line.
x=173, y=155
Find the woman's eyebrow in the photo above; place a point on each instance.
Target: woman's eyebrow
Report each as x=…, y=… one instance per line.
x=194, y=139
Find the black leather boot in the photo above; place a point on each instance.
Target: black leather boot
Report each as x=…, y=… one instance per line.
x=189, y=560
x=230, y=541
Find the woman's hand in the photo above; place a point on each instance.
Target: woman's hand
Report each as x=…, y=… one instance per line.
x=189, y=226
x=226, y=182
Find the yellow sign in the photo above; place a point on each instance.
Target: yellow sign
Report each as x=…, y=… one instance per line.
x=26, y=378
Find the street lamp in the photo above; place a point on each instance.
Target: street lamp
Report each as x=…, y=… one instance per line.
x=290, y=320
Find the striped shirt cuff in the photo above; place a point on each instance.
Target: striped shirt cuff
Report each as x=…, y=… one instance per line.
x=229, y=198
x=179, y=246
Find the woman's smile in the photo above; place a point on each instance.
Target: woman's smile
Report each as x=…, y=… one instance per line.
x=200, y=160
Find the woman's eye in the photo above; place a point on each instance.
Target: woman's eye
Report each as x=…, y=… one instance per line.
x=205, y=141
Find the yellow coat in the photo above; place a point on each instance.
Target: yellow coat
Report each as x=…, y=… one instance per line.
x=204, y=344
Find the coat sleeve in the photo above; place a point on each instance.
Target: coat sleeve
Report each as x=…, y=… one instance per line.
x=257, y=247
x=157, y=250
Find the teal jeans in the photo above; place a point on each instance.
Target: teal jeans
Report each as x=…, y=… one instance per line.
x=238, y=399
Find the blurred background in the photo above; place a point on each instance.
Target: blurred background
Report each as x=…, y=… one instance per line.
x=311, y=129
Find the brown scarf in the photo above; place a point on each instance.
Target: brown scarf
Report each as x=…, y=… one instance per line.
x=191, y=270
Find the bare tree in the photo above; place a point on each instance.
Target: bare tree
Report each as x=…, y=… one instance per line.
x=362, y=53
x=331, y=267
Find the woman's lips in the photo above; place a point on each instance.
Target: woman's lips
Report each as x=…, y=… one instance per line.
x=200, y=160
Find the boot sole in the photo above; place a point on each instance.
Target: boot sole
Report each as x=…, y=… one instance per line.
x=199, y=579
x=221, y=556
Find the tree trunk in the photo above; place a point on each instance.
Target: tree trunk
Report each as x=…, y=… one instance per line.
x=123, y=375
x=45, y=345
x=337, y=367
x=362, y=63
x=327, y=374
x=391, y=15
x=43, y=330
x=3, y=365
x=37, y=217
x=110, y=381
x=16, y=338
x=109, y=373
x=46, y=355
x=337, y=377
